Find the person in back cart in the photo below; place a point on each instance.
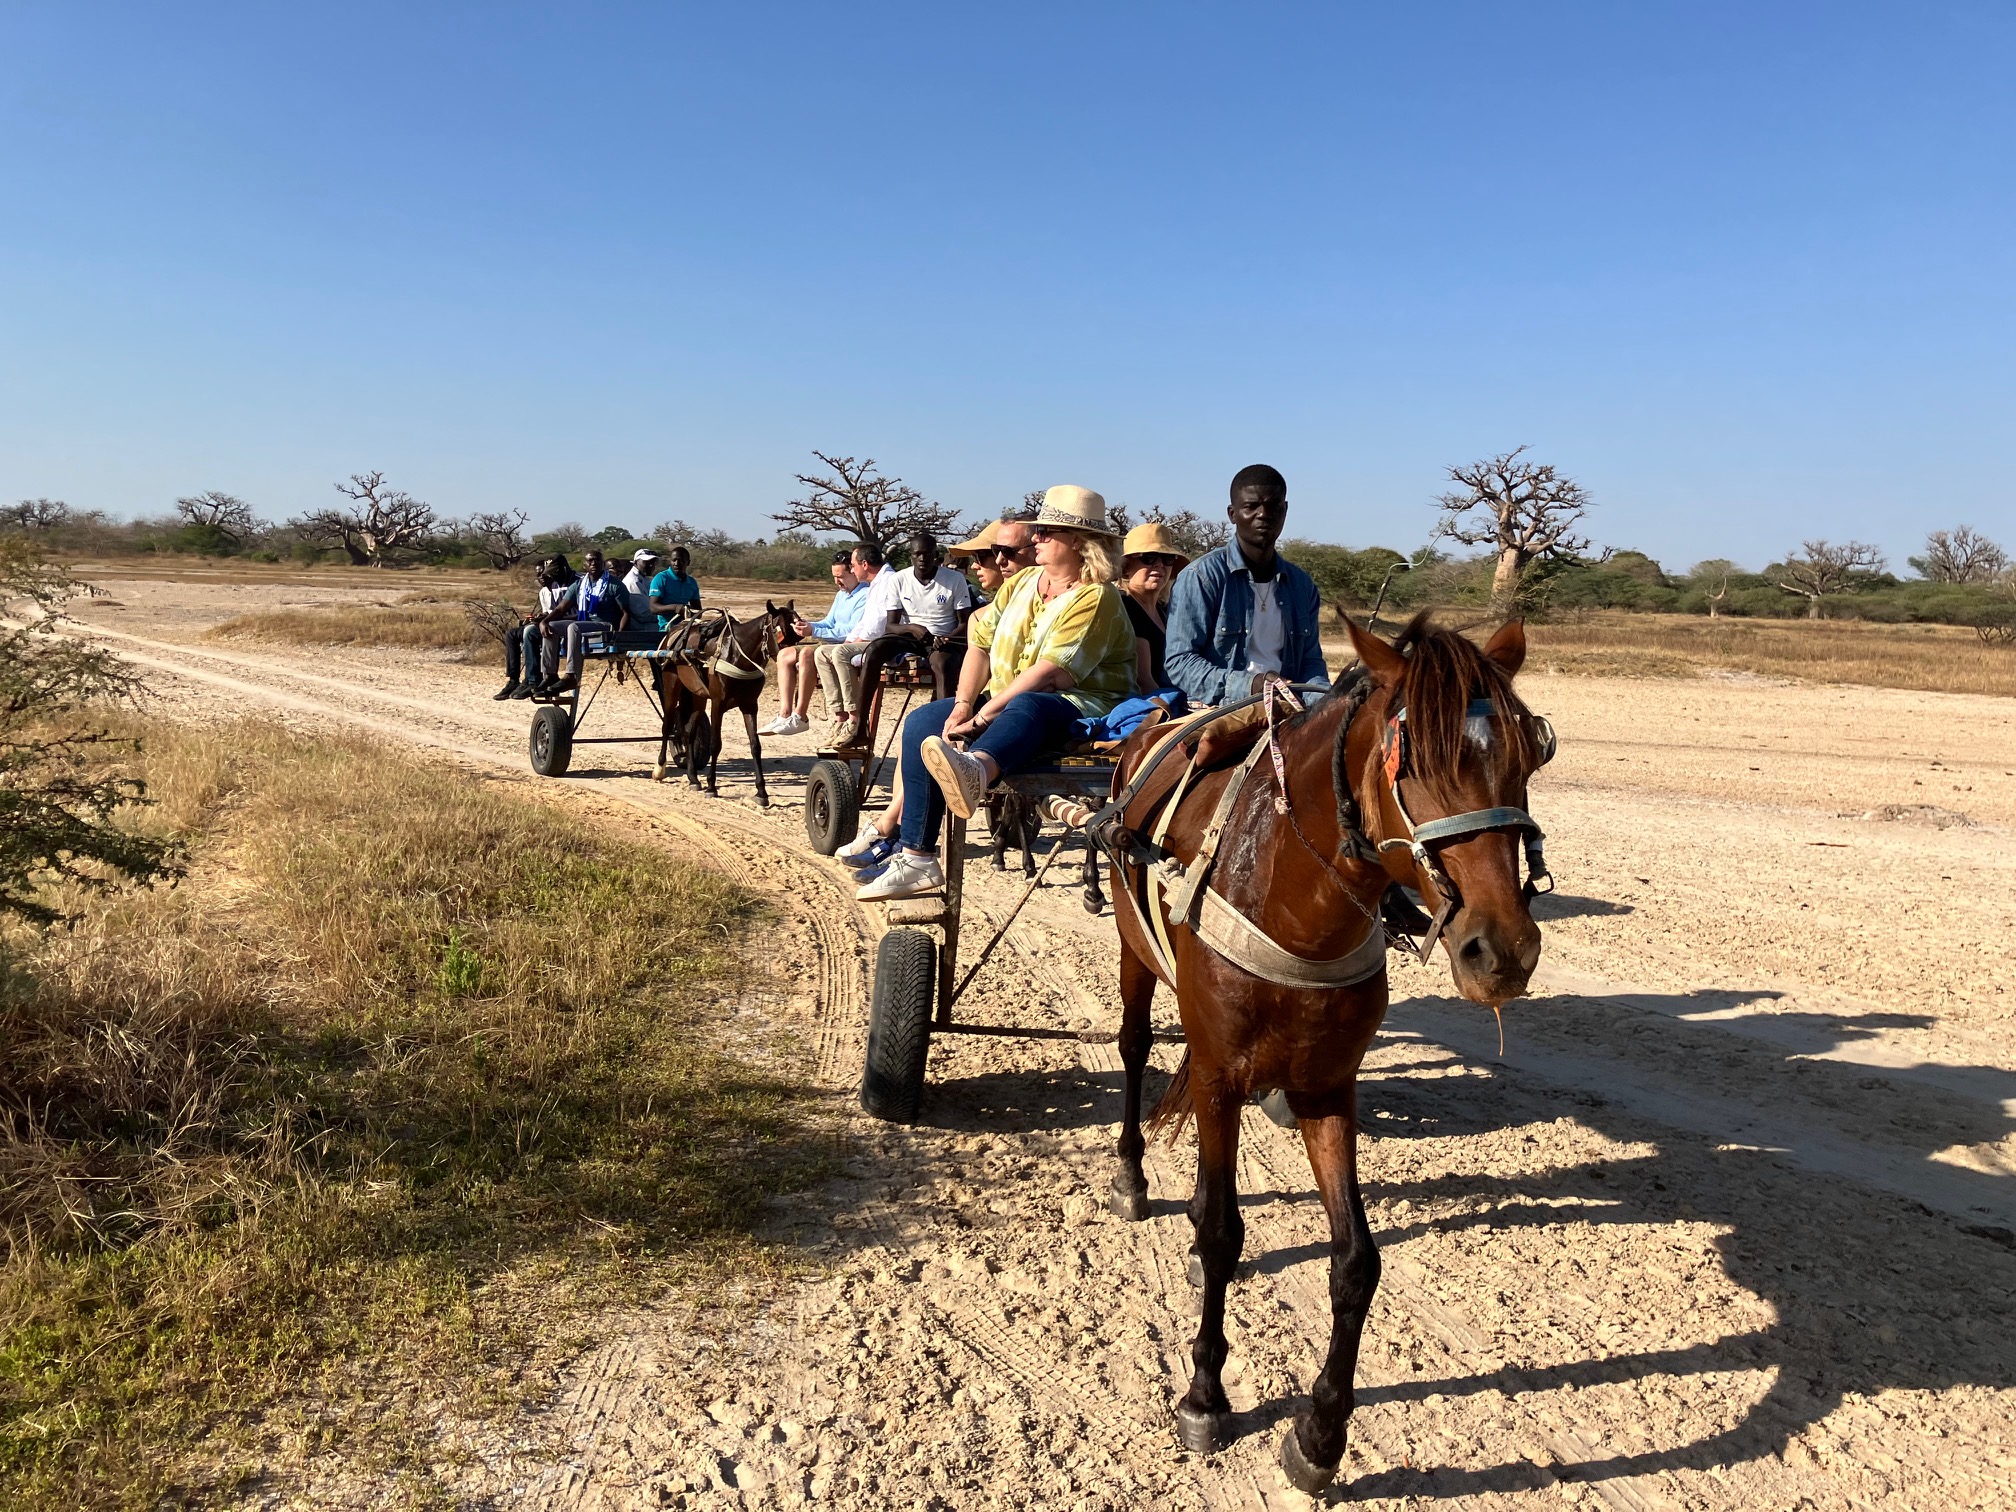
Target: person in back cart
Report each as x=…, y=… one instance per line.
x=529, y=656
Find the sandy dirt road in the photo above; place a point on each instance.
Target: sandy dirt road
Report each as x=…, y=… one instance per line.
x=1728, y=1224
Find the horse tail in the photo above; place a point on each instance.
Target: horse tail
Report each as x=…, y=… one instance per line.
x=1175, y=1106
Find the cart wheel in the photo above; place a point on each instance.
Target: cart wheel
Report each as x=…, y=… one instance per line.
x=899, y=1025
x=832, y=805
x=552, y=740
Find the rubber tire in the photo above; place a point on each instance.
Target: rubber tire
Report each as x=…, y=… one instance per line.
x=899, y=1025
x=552, y=740
x=832, y=805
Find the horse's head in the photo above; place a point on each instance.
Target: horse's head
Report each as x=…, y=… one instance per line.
x=780, y=625
x=1440, y=773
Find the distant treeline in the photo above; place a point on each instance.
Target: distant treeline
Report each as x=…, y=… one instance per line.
x=1551, y=586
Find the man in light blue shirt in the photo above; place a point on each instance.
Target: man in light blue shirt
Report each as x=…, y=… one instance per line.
x=796, y=675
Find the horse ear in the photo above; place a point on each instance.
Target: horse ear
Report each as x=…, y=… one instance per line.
x=768, y=607
x=1508, y=646
x=1381, y=660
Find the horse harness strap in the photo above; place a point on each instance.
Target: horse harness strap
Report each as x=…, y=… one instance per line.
x=1252, y=950
x=1216, y=923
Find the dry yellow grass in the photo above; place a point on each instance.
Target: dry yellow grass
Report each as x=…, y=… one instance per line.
x=1936, y=658
x=404, y=1064
x=420, y=623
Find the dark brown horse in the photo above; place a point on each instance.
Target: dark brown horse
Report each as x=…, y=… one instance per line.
x=724, y=666
x=1412, y=771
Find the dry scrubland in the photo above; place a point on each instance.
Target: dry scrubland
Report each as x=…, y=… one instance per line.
x=1929, y=658
x=371, y=1099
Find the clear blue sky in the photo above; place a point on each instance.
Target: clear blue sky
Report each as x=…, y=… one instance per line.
x=1745, y=270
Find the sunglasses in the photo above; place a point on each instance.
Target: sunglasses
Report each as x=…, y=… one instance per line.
x=1154, y=559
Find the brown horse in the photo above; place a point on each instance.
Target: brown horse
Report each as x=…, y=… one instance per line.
x=1412, y=771
x=725, y=665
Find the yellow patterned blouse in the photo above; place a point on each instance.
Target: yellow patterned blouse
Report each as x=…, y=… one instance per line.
x=1085, y=631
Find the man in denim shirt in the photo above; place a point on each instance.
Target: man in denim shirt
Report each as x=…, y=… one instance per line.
x=1244, y=613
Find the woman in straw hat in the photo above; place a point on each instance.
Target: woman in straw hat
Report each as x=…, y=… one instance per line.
x=1054, y=647
x=1149, y=562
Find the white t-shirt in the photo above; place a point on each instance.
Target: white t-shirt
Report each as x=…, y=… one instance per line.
x=933, y=604
x=1267, y=640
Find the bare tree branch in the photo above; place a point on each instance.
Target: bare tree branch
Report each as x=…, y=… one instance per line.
x=1961, y=555
x=1523, y=510
x=229, y=516
x=500, y=536
x=1827, y=569
x=380, y=521
x=853, y=499
x=36, y=514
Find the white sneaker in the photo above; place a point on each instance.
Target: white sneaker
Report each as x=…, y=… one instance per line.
x=771, y=728
x=906, y=876
x=868, y=836
x=960, y=776
x=791, y=724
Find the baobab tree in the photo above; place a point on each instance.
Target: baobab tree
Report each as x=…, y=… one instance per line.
x=222, y=513
x=1522, y=510
x=853, y=499
x=379, y=521
x=1961, y=555
x=37, y=514
x=1827, y=569
x=500, y=536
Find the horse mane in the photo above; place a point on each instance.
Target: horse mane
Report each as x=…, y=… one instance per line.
x=1444, y=671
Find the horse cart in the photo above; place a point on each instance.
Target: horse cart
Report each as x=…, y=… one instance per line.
x=557, y=721
x=703, y=668
x=918, y=982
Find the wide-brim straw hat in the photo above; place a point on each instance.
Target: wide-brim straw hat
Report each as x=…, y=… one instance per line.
x=1152, y=539
x=985, y=541
x=1069, y=507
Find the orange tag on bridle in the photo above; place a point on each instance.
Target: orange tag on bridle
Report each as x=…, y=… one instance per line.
x=1396, y=745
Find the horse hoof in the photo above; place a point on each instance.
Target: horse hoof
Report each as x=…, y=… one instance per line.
x=1128, y=1201
x=1307, y=1478
x=1196, y=1270
x=1202, y=1432
x=658, y=773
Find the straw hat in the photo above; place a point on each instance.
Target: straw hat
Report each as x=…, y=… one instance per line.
x=1069, y=507
x=985, y=541
x=1152, y=539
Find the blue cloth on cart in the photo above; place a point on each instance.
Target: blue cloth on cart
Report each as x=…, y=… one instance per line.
x=1125, y=717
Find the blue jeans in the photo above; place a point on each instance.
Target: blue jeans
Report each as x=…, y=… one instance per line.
x=522, y=655
x=1028, y=726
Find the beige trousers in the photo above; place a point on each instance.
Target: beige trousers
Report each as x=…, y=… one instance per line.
x=837, y=674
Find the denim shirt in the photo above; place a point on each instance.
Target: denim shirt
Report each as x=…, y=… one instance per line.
x=1211, y=614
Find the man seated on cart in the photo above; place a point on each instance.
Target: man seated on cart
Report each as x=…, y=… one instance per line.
x=1244, y=613
x=675, y=594
x=600, y=613
x=797, y=677
x=529, y=656
x=919, y=611
x=1055, y=647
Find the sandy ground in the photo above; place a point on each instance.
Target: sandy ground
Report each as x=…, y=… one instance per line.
x=1730, y=1223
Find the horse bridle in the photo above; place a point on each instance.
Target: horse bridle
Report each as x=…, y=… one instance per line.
x=1393, y=764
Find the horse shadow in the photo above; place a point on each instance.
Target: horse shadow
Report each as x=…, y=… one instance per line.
x=1843, y=1326
x=1548, y=907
